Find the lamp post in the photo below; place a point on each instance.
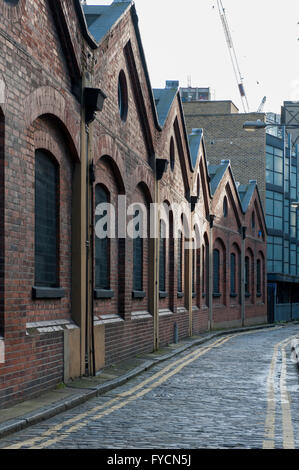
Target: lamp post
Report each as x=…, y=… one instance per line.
x=256, y=125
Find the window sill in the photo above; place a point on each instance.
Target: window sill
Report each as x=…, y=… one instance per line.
x=138, y=294
x=247, y=294
x=103, y=294
x=180, y=295
x=233, y=294
x=259, y=294
x=47, y=292
x=163, y=294
x=216, y=294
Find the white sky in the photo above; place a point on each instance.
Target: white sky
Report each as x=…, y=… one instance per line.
x=184, y=38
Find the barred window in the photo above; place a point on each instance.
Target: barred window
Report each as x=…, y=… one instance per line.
x=258, y=277
x=247, y=275
x=46, y=221
x=180, y=262
x=102, y=245
x=216, y=271
x=162, y=258
x=137, y=259
x=225, y=207
x=194, y=259
x=233, y=273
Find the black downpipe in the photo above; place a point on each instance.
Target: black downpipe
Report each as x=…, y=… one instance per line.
x=87, y=260
x=92, y=226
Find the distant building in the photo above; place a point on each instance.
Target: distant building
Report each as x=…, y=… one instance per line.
x=225, y=138
x=195, y=94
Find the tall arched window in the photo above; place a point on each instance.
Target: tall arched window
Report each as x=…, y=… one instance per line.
x=122, y=96
x=162, y=258
x=102, y=244
x=172, y=154
x=225, y=207
x=180, y=263
x=216, y=271
x=247, y=286
x=233, y=274
x=258, y=278
x=194, y=252
x=46, y=221
x=137, y=258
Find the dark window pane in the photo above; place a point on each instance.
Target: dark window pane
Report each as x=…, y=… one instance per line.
x=162, y=259
x=233, y=273
x=102, y=246
x=258, y=277
x=46, y=221
x=247, y=275
x=216, y=265
x=180, y=246
x=137, y=260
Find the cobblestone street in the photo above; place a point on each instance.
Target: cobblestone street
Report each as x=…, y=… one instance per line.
x=237, y=391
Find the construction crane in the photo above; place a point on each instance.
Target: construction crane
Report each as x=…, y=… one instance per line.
x=233, y=56
x=261, y=106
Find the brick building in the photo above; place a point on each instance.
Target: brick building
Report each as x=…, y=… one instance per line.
x=80, y=126
x=226, y=139
x=271, y=157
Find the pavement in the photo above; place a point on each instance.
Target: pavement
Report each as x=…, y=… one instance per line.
x=67, y=396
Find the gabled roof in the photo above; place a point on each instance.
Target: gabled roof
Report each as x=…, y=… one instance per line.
x=246, y=192
x=216, y=173
x=101, y=18
x=163, y=100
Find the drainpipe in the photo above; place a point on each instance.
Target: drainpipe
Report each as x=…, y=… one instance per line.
x=156, y=265
x=211, y=245
x=193, y=202
x=160, y=169
x=243, y=229
x=93, y=101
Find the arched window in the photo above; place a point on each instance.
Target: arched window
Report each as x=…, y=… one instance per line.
x=137, y=258
x=258, y=278
x=46, y=221
x=233, y=274
x=216, y=271
x=194, y=252
x=122, y=96
x=247, y=286
x=102, y=244
x=180, y=263
x=172, y=154
x=162, y=258
x=225, y=207
x=253, y=220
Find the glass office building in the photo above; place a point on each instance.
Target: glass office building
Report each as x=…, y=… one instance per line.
x=282, y=190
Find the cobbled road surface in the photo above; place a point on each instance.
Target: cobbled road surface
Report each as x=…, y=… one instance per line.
x=236, y=391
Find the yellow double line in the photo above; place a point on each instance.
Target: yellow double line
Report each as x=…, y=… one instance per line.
x=287, y=427
x=76, y=423
x=62, y=431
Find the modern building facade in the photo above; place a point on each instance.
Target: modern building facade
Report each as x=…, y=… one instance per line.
x=282, y=220
x=84, y=142
x=271, y=157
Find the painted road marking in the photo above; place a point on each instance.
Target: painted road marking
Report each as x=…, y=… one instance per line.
x=269, y=432
x=115, y=403
x=287, y=427
x=82, y=416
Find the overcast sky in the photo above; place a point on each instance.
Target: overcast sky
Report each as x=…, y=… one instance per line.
x=184, y=38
